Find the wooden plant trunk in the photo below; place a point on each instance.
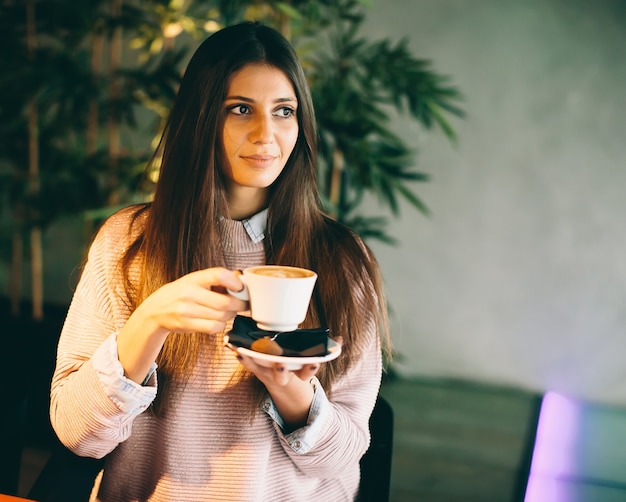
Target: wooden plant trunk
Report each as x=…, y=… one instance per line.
x=36, y=253
x=115, y=56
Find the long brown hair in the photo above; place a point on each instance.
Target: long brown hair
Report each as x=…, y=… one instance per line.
x=191, y=190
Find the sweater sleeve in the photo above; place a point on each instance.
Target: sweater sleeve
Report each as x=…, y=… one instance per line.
x=342, y=427
x=90, y=407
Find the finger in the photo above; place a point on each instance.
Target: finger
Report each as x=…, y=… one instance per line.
x=245, y=361
x=199, y=303
x=280, y=375
x=307, y=371
x=218, y=276
x=225, y=302
x=194, y=294
x=275, y=374
x=201, y=312
x=208, y=326
x=263, y=373
x=217, y=281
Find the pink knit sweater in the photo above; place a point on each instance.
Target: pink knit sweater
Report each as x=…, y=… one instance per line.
x=206, y=447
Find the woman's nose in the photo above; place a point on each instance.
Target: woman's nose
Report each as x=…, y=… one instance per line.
x=262, y=130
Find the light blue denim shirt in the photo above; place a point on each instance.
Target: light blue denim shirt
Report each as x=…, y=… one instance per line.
x=134, y=399
x=255, y=226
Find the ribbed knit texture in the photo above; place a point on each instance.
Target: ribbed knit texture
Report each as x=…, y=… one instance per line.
x=206, y=447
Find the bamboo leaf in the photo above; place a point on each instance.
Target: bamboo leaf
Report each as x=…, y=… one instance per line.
x=287, y=9
x=413, y=199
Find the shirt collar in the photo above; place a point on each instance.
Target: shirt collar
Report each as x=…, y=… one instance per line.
x=255, y=226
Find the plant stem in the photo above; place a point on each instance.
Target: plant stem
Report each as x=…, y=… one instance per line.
x=115, y=54
x=36, y=253
x=336, y=182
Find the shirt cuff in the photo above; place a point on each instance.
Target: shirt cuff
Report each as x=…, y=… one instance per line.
x=302, y=440
x=129, y=396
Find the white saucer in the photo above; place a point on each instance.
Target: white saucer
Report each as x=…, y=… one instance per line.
x=292, y=363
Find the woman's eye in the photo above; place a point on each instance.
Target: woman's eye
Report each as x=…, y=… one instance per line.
x=285, y=111
x=240, y=109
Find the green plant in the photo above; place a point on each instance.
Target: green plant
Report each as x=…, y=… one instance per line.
x=356, y=83
x=101, y=76
x=66, y=102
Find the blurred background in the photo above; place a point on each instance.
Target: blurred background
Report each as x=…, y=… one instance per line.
x=497, y=215
x=518, y=275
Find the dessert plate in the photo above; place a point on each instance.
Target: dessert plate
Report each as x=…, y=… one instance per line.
x=292, y=363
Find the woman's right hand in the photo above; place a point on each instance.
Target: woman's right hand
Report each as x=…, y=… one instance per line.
x=192, y=303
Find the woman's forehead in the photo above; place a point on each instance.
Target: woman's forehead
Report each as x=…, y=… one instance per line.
x=262, y=80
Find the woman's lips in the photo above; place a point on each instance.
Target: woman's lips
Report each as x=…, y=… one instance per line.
x=260, y=160
x=260, y=157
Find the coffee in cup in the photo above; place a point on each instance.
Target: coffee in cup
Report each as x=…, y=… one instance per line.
x=279, y=295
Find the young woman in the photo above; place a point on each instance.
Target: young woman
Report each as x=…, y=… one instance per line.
x=143, y=377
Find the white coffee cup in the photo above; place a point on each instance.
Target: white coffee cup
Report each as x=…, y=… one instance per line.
x=279, y=295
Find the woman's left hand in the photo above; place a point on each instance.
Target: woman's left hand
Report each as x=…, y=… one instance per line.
x=277, y=375
x=291, y=390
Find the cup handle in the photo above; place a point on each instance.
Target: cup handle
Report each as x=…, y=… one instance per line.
x=243, y=294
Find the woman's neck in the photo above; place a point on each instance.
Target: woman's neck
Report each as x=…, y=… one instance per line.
x=244, y=202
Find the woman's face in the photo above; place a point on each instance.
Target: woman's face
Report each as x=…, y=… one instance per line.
x=260, y=130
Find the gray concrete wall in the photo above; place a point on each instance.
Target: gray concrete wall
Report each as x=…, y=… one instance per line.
x=519, y=275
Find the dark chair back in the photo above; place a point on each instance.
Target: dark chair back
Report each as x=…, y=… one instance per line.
x=376, y=463
x=66, y=477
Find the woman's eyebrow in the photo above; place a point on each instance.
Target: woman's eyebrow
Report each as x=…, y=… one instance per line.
x=250, y=100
